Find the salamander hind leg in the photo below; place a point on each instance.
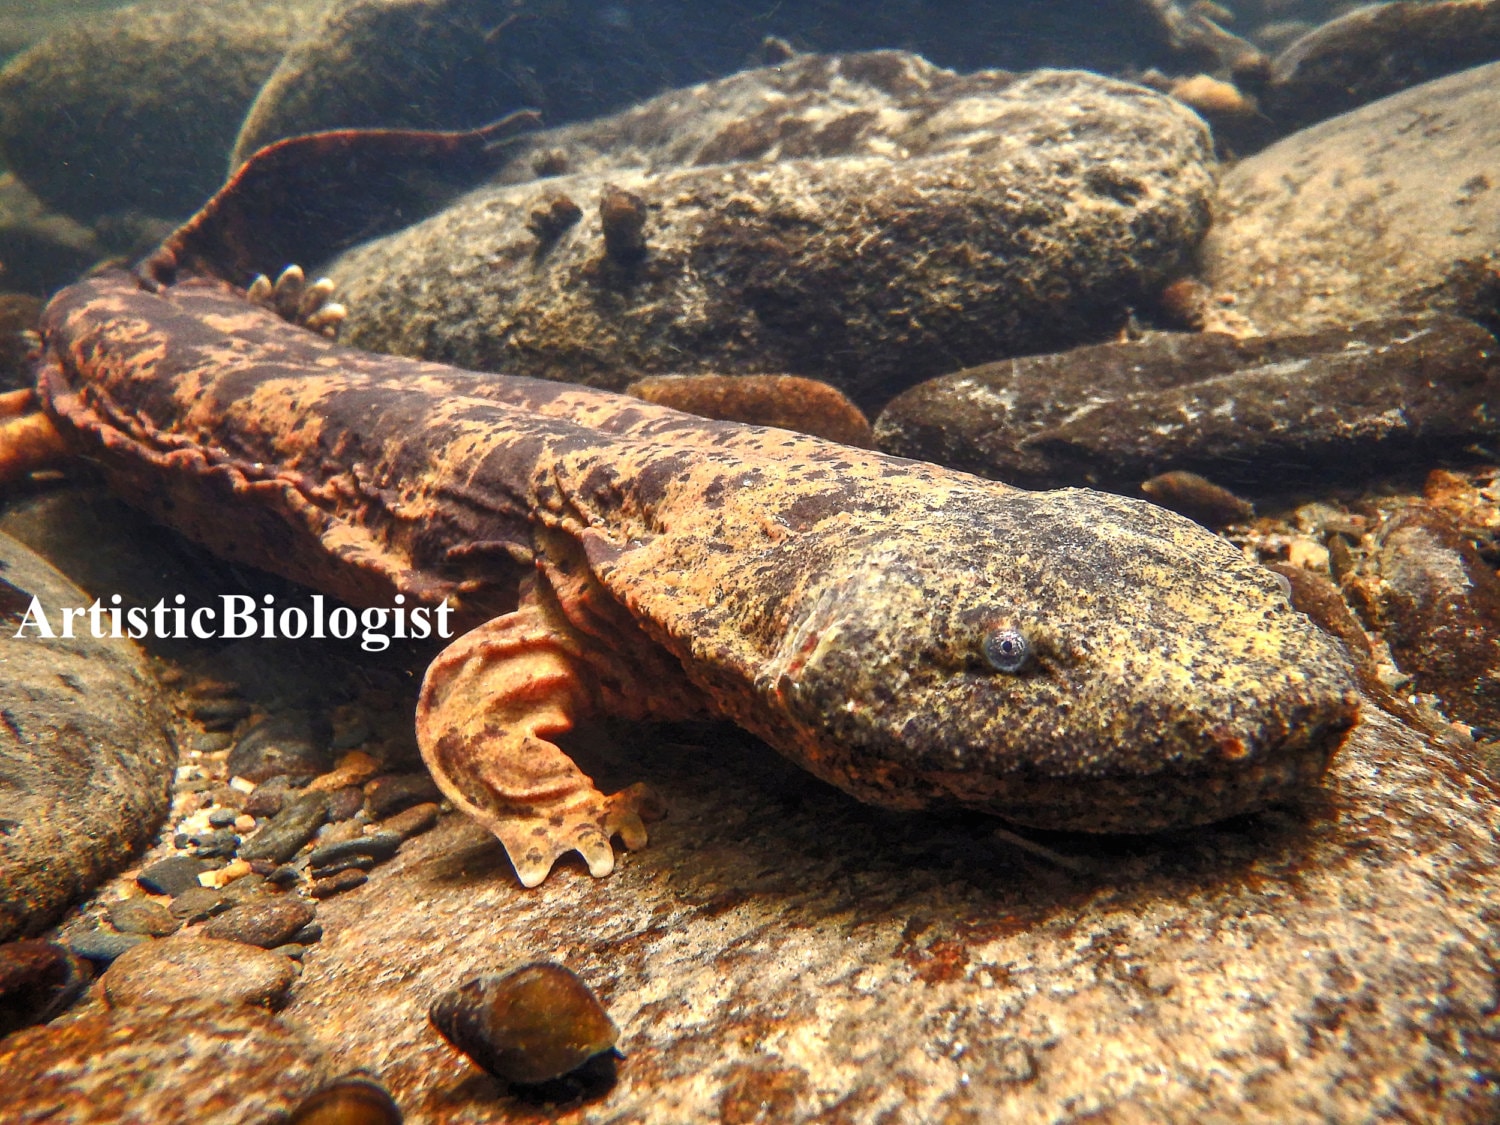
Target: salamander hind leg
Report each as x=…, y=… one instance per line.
x=491, y=704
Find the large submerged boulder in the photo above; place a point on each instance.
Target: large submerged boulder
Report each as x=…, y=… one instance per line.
x=865, y=219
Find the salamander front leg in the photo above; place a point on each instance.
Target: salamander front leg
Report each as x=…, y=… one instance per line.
x=491, y=704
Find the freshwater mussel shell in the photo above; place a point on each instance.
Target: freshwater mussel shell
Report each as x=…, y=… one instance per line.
x=529, y=1026
x=354, y=1099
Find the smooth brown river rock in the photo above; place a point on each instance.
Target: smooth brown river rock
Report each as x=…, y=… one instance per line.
x=778, y=944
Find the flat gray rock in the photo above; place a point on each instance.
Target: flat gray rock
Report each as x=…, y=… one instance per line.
x=1386, y=208
x=865, y=219
x=85, y=758
x=779, y=944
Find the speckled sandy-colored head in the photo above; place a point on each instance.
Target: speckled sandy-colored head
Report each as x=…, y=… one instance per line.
x=1064, y=659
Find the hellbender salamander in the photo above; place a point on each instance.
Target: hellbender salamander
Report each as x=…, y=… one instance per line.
x=914, y=635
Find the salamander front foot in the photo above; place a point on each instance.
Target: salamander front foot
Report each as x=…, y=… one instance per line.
x=491, y=704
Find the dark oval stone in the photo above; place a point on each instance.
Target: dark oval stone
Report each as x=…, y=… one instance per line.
x=379, y=846
x=395, y=792
x=347, y=863
x=293, y=742
x=532, y=1025
x=38, y=979
x=351, y=1100
x=101, y=946
x=173, y=875
x=346, y=802
x=266, y=921
x=413, y=821
x=337, y=884
x=292, y=827
x=197, y=903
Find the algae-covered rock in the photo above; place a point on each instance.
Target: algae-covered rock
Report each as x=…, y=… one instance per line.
x=457, y=63
x=1380, y=209
x=136, y=109
x=1377, y=50
x=868, y=220
x=1382, y=397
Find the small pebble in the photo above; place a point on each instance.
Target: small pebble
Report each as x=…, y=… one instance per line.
x=354, y=768
x=310, y=934
x=244, y=824
x=265, y=801
x=174, y=875
x=222, y=818
x=198, y=968
x=394, y=792
x=225, y=875
x=291, y=949
x=284, y=876
x=218, y=714
x=141, y=916
x=268, y=921
x=226, y=796
x=211, y=742
x=347, y=863
x=378, y=845
x=346, y=802
x=293, y=742
x=344, y=830
x=101, y=946
x=338, y=884
x=246, y=887
x=412, y=822
x=219, y=843
x=197, y=903
x=292, y=827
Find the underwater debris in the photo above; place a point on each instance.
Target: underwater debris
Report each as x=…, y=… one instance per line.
x=622, y=214
x=551, y=218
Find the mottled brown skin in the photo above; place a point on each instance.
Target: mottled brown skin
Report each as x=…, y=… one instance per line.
x=621, y=556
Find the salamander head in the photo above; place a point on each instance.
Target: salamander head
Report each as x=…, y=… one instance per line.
x=1064, y=659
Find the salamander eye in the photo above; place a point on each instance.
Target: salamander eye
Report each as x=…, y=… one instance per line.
x=1007, y=650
